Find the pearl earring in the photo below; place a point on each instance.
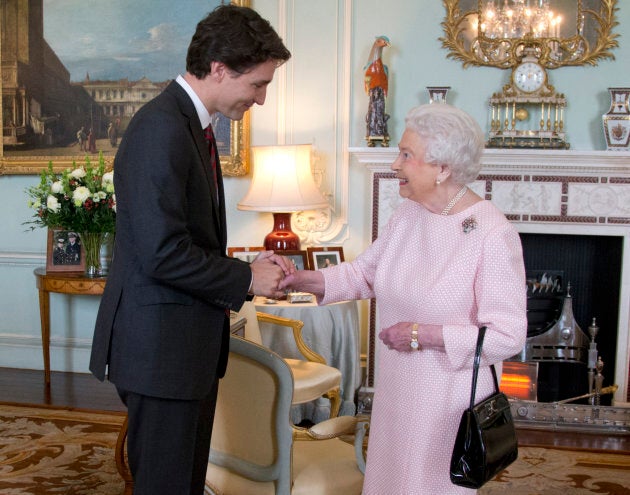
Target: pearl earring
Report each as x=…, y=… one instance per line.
x=438, y=182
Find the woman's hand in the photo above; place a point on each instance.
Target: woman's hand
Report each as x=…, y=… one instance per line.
x=398, y=336
x=305, y=281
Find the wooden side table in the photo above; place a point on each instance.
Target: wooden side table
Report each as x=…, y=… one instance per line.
x=74, y=283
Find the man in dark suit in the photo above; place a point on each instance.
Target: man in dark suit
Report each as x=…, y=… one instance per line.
x=162, y=330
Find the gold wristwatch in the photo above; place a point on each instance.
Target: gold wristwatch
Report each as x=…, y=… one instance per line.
x=414, y=344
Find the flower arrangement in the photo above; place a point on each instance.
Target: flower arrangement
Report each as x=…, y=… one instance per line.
x=81, y=199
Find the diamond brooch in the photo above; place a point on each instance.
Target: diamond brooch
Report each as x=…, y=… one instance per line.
x=469, y=224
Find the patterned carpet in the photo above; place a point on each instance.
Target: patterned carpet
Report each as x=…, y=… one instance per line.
x=57, y=451
x=540, y=471
x=46, y=451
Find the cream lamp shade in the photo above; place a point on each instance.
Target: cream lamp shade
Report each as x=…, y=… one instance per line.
x=282, y=183
x=282, y=180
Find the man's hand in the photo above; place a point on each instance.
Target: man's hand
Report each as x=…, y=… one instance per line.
x=268, y=270
x=282, y=261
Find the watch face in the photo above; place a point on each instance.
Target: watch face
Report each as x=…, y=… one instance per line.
x=529, y=77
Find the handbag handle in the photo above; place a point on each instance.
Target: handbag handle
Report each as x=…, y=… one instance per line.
x=482, y=333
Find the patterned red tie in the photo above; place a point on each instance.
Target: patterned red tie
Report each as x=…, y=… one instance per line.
x=212, y=146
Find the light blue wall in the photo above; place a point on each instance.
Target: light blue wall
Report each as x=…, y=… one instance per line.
x=415, y=60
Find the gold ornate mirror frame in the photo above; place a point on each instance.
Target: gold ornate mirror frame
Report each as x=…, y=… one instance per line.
x=587, y=35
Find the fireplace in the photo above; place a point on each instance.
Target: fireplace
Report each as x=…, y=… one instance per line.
x=555, y=199
x=582, y=272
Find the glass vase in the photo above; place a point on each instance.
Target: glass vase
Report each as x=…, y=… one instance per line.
x=93, y=243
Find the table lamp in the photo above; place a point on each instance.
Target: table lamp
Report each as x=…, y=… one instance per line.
x=282, y=183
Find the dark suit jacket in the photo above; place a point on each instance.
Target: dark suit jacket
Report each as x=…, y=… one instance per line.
x=161, y=325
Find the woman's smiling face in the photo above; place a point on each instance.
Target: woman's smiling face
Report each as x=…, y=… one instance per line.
x=416, y=178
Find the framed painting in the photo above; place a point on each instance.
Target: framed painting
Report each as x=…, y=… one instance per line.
x=299, y=258
x=244, y=253
x=64, y=252
x=321, y=257
x=71, y=94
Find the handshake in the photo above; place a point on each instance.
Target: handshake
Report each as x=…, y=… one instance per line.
x=274, y=275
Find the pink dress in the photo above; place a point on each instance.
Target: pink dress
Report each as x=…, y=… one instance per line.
x=424, y=268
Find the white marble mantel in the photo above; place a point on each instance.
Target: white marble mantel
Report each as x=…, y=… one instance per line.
x=544, y=187
x=540, y=191
x=517, y=159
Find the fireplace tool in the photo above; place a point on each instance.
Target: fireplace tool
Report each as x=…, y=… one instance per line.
x=593, y=362
x=602, y=391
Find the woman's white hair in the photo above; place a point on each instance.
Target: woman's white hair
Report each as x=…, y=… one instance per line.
x=451, y=137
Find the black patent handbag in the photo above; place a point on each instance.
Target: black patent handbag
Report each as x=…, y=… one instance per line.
x=486, y=440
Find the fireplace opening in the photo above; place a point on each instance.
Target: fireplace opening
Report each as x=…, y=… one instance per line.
x=591, y=267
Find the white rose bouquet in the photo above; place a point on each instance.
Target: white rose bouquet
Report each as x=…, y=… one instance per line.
x=81, y=199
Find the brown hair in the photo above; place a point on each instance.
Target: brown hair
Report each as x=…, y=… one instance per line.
x=236, y=36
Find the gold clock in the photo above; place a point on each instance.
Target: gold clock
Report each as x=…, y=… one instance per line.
x=529, y=77
x=528, y=112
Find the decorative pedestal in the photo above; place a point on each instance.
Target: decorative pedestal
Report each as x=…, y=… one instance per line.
x=617, y=120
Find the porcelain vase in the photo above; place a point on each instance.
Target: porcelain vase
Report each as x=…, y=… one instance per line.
x=617, y=120
x=437, y=94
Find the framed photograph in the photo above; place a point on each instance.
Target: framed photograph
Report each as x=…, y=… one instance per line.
x=244, y=253
x=321, y=257
x=79, y=103
x=64, y=252
x=299, y=258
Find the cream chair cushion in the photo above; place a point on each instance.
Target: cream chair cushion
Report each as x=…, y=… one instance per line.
x=311, y=378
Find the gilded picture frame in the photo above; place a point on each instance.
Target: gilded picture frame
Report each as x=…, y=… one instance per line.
x=43, y=109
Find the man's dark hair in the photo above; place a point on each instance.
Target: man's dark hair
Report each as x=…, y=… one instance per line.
x=236, y=36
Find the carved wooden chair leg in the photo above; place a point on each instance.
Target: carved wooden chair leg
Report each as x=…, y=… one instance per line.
x=335, y=402
x=121, y=459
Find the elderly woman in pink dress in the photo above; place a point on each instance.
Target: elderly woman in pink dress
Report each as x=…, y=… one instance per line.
x=447, y=263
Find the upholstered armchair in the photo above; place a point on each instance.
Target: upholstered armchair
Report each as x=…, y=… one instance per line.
x=253, y=450
x=312, y=377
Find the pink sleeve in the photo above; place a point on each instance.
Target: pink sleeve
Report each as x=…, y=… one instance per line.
x=501, y=296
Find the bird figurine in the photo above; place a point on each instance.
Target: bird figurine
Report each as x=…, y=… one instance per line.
x=376, y=85
x=376, y=73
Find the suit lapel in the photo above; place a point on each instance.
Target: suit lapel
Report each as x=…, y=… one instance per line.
x=188, y=109
x=221, y=192
x=218, y=203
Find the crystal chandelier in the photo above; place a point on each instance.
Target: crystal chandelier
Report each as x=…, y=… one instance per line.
x=518, y=18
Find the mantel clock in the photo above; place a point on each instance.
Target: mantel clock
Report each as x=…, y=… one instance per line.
x=528, y=112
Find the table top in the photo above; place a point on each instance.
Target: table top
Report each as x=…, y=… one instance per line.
x=69, y=282
x=263, y=302
x=78, y=275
